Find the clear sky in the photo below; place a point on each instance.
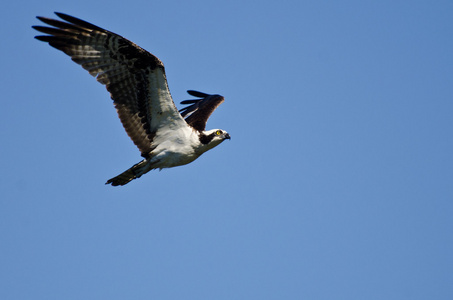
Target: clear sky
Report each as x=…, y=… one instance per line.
x=337, y=182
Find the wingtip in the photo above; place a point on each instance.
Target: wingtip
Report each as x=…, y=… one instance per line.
x=60, y=14
x=42, y=38
x=189, y=101
x=112, y=182
x=197, y=93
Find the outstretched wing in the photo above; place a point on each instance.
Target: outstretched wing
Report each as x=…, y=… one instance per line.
x=134, y=77
x=198, y=113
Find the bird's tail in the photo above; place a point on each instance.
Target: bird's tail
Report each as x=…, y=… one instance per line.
x=135, y=171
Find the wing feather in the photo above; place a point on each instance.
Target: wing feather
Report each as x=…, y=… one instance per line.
x=134, y=77
x=198, y=113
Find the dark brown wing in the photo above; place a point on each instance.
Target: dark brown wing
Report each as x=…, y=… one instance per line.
x=134, y=77
x=197, y=114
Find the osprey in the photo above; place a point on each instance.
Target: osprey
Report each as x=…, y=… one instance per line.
x=138, y=87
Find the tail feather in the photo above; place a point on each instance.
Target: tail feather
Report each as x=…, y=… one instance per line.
x=135, y=171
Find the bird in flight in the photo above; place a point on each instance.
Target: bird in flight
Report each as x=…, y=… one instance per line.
x=138, y=87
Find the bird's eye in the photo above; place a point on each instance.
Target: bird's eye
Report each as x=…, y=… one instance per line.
x=218, y=132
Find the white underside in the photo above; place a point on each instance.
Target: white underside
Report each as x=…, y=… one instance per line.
x=176, y=148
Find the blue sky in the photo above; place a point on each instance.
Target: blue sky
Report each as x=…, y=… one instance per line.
x=337, y=182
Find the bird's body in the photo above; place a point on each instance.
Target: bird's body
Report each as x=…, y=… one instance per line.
x=138, y=87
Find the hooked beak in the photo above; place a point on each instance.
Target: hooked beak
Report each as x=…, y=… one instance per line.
x=227, y=136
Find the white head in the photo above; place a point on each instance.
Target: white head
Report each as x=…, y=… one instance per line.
x=213, y=137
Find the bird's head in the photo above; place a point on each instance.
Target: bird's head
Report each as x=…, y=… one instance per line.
x=213, y=137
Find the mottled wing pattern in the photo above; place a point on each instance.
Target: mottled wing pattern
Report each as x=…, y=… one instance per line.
x=134, y=77
x=198, y=113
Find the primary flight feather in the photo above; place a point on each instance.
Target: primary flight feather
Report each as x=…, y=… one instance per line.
x=138, y=87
